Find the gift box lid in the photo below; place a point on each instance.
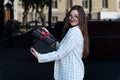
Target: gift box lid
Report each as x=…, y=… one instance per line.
x=41, y=34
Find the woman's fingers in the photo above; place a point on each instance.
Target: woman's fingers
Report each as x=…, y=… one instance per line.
x=45, y=29
x=34, y=52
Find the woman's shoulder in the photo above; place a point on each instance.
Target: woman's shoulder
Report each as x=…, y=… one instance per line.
x=75, y=30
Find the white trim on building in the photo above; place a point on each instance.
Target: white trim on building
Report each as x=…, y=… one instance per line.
x=109, y=15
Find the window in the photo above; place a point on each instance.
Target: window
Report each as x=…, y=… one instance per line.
x=69, y=4
x=85, y=3
x=119, y=4
x=105, y=3
x=54, y=4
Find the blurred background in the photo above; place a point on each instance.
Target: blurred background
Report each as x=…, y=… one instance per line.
x=18, y=18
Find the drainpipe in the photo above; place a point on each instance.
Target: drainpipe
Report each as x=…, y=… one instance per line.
x=90, y=9
x=50, y=13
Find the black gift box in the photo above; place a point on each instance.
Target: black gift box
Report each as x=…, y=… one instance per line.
x=44, y=41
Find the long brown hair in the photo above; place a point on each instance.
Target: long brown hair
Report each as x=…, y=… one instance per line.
x=82, y=26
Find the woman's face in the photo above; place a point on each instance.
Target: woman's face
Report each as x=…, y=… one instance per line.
x=74, y=18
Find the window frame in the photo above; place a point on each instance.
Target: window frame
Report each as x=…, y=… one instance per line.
x=104, y=3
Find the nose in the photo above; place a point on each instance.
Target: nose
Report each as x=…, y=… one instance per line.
x=72, y=18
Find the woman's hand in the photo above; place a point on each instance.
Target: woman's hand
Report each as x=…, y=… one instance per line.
x=45, y=29
x=34, y=52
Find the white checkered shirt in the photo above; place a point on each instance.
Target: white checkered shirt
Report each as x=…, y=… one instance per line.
x=68, y=57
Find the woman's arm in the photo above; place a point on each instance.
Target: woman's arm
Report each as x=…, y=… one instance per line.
x=72, y=38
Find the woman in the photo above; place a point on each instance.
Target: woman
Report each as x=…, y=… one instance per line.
x=73, y=47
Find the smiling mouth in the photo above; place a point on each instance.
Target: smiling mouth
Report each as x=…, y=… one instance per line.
x=72, y=21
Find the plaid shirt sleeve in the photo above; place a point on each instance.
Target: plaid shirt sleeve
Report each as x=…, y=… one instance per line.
x=71, y=39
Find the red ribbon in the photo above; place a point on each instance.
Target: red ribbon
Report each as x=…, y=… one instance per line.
x=44, y=34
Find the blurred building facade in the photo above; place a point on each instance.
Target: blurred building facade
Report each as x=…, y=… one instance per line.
x=8, y=13
x=94, y=9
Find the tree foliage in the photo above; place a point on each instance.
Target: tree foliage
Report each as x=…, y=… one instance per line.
x=35, y=4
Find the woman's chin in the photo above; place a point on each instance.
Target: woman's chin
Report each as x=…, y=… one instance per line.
x=73, y=24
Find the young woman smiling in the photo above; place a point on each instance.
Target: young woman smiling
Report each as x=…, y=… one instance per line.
x=73, y=47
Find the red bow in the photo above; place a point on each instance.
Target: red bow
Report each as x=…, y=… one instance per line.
x=44, y=34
